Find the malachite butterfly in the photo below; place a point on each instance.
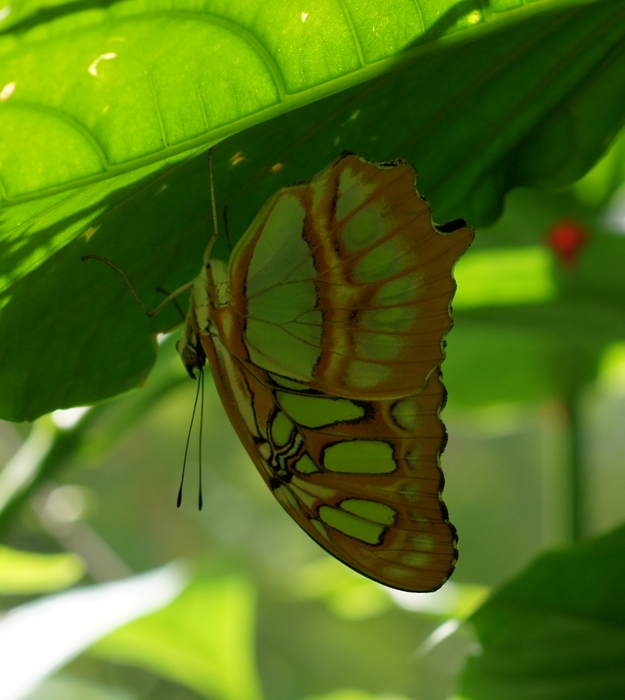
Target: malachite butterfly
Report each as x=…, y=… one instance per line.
x=325, y=336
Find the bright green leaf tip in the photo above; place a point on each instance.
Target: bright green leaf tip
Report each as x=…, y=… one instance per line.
x=26, y=573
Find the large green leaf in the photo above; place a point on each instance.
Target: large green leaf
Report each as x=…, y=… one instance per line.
x=479, y=100
x=557, y=632
x=96, y=90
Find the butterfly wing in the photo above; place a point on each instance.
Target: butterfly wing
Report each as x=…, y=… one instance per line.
x=360, y=477
x=344, y=283
x=325, y=342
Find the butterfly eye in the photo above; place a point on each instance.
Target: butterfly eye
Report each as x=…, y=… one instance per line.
x=191, y=352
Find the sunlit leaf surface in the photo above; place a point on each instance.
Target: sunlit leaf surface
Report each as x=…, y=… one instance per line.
x=202, y=640
x=479, y=100
x=39, y=637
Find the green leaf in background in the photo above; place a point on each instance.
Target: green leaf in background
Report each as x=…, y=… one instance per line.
x=25, y=573
x=51, y=447
x=346, y=593
x=63, y=687
x=504, y=277
x=522, y=315
x=354, y=694
x=557, y=631
x=40, y=637
x=203, y=640
x=353, y=597
x=479, y=98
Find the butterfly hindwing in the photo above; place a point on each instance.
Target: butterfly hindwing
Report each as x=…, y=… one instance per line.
x=360, y=477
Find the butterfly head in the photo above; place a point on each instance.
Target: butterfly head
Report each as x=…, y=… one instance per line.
x=191, y=351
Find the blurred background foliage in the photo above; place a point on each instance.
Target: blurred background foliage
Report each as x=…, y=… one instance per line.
x=537, y=404
x=250, y=608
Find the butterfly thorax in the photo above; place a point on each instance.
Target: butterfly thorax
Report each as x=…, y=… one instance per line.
x=210, y=316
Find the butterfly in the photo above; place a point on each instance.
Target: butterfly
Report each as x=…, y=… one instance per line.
x=325, y=337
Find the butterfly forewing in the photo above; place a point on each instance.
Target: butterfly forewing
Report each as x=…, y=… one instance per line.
x=326, y=347
x=344, y=284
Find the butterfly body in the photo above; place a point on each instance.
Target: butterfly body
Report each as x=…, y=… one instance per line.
x=325, y=338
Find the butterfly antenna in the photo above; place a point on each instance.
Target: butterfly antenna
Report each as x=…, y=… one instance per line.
x=186, y=447
x=200, y=499
x=174, y=300
x=146, y=311
x=211, y=178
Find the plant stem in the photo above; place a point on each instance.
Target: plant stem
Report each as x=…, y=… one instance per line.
x=576, y=466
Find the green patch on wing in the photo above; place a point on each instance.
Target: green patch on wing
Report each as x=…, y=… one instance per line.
x=351, y=525
x=360, y=457
x=315, y=412
x=370, y=510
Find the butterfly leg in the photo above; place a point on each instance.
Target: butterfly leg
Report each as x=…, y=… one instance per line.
x=150, y=314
